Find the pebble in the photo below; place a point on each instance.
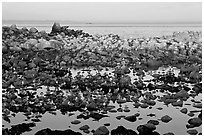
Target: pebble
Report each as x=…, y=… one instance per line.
x=192, y=132
x=85, y=127
x=101, y=131
x=184, y=110
x=75, y=122
x=166, y=119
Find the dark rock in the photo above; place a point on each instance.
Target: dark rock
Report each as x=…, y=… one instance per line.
x=120, y=130
x=86, y=131
x=151, y=115
x=101, y=131
x=56, y=28
x=20, y=128
x=145, y=130
x=169, y=133
x=199, y=105
x=132, y=118
x=113, y=111
x=155, y=122
x=107, y=124
x=97, y=116
x=150, y=126
x=119, y=117
x=166, y=119
x=184, y=110
x=182, y=94
x=196, y=122
x=192, y=132
x=85, y=127
x=144, y=105
x=191, y=114
x=48, y=131
x=189, y=126
x=75, y=122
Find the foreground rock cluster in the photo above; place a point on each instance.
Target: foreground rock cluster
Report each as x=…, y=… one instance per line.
x=33, y=60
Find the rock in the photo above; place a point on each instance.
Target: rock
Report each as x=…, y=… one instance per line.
x=31, y=42
x=85, y=127
x=75, y=122
x=13, y=26
x=153, y=64
x=182, y=94
x=107, y=124
x=120, y=130
x=101, y=131
x=155, y=122
x=33, y=30
x=184, y=110
x=56, y=28
x=113, y=111
x=169, y=133
x=144, y=105
x=150, y=102
x=136, y=104
x=121, y=101
x=119, y=117
x=179, y=104
x=151, y=115
x=192, y=132
x=196, y=122
x=97, y=116
x=126, y=110
x=43, y=44
x=166, y=119
x=145, y=130
x=191, y=114
x=48, y=131
x=120, y=110
x=132, y=118
x=150, y=126
x=86, y=131
x=199, y=105
x=56, y=44
x=189, y=126
x=92, y=107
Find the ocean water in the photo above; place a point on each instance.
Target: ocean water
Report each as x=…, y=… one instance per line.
x=123, y=30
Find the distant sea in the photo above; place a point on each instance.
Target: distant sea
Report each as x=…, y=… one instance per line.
x=123, y=30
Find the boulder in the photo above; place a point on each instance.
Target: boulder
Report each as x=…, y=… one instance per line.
x=56, y=28
x=101, y=131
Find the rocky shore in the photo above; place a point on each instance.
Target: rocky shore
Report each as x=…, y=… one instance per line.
x=45, y=72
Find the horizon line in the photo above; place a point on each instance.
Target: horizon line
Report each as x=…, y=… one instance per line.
x=101, y=22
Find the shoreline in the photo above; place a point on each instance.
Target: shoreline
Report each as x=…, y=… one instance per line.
x=38, y=83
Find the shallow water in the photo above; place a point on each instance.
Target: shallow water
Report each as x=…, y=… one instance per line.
x=62, y=122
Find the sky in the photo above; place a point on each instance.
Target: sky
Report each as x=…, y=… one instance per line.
x=105, y=12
